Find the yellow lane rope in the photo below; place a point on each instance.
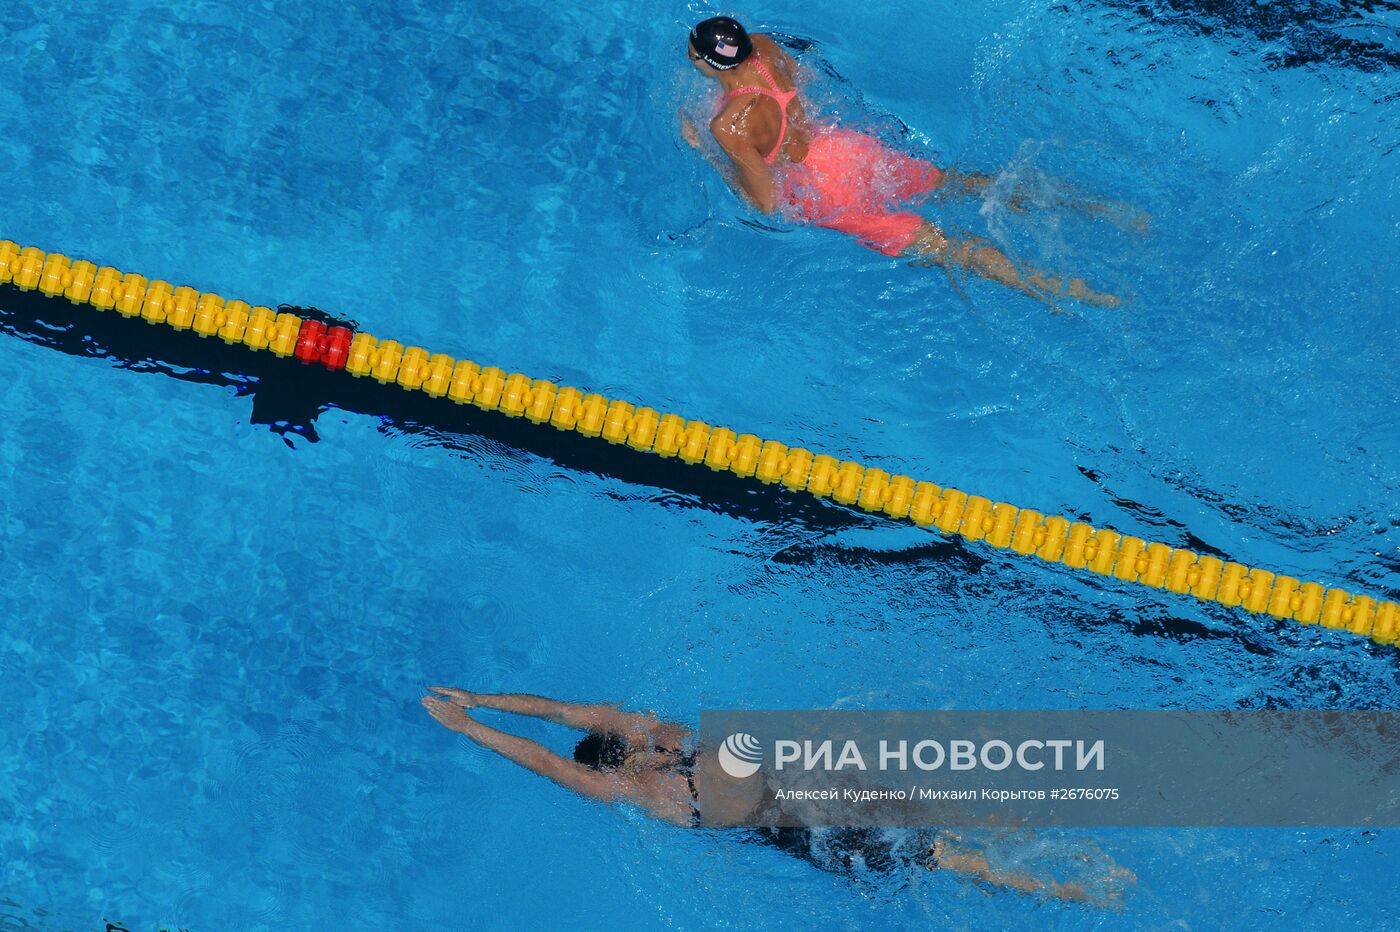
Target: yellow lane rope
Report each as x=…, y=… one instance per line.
x=1051, y=538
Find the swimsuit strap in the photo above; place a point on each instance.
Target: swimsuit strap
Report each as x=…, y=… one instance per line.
x=685, y=766
x=768, y=76
x=779, y=96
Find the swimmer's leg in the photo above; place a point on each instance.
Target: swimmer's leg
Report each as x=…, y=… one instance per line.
x=1124, y=216
x=956, y=183
x=1121, y=214
x=974, y=865
x=979, y=256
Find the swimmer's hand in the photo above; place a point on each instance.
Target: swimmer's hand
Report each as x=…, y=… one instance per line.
x=448, y=714
x=459, y=697
x=688, y=131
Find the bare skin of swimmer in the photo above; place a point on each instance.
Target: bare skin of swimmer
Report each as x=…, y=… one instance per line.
x=749, y=126
x=647, y=780
x=642, y=780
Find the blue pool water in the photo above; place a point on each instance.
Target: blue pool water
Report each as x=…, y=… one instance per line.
x=215, y=635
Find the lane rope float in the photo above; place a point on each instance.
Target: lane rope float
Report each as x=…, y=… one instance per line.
x=1051, y=538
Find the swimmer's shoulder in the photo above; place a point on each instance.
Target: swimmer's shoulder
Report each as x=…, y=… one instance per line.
x=728, y=126
x=775, y=54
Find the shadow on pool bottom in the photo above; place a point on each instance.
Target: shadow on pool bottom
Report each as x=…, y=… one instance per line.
x=288, y=396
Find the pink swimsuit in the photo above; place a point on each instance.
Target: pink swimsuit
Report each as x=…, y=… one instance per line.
x=772, y=90
x=849, y=181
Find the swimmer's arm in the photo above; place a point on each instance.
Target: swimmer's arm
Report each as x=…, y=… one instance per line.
x=689, y=133
x=752, y=176
x=528, y=754
x=692, y=138
x=587, y=717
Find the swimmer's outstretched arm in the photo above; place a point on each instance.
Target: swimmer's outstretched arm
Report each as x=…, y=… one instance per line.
x=587, y=717
x=529, y=754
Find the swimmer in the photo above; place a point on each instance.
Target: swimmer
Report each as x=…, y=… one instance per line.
x=625, y=757
x=822, y=174
x=639, y=759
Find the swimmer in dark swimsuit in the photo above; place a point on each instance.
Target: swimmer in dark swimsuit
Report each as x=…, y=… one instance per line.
x=637, y=758
x=816, y=172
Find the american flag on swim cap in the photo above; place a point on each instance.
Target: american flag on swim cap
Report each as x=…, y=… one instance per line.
x=727, y=50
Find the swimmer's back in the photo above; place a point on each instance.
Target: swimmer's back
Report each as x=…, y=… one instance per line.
x=758, y=116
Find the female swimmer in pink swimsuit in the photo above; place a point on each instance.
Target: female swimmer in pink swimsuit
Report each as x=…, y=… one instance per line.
x=837, y=178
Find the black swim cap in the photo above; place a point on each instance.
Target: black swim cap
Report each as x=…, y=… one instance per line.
x=721, y=42
x=606, y=751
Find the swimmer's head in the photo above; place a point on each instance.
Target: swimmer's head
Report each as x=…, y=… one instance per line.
x=601, y=752
x=719, y=43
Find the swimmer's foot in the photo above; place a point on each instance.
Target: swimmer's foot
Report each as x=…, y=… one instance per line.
x=1075, y=288
x=1080, y=291
x=946, y=854
x=1138, y=221
x=1121, y=214
x=1128, y=218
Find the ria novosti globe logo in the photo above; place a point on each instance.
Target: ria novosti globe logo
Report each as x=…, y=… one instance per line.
x=740, y=755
